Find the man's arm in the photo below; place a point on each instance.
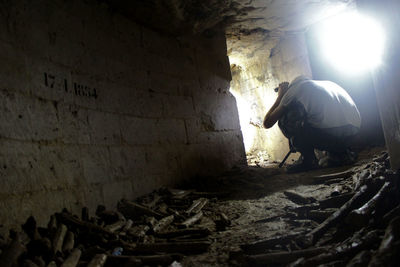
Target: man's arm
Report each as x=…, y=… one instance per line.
x=276, y=111
x=273, y=116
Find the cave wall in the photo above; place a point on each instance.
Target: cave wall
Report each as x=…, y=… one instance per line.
x=95, y=108
x=254, y=78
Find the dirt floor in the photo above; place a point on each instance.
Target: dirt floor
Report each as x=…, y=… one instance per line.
x=220, y=221
x=253, y=200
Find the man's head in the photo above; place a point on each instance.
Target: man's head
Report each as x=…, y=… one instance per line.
x=298, y=79
x=284, y=86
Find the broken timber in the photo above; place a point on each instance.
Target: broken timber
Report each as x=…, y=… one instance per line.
x=283, y=257
x=360, y=197
x=132, y=210
x=298, y=199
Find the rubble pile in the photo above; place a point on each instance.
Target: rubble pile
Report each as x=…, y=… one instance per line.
x=155, y=230
x=349, y=217
x=358, y=225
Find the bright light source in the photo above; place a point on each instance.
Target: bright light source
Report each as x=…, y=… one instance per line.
x=352, y=42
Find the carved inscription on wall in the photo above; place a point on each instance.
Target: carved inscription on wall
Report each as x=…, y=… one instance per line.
x=62, y=84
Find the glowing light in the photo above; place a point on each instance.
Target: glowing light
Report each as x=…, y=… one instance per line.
x=352, y=42
x=248, y=131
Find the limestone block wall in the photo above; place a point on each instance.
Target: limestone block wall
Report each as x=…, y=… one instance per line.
x=94, y=107
x=253, y=79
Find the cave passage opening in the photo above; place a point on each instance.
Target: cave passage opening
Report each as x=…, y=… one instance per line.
x=348, y=39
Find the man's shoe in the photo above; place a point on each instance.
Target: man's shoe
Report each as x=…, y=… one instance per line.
x=338, y=159
x=302, y=165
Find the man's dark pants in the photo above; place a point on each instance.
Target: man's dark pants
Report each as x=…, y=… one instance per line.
x=304, y=138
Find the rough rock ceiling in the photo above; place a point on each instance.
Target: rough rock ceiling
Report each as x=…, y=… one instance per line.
x=246, y=22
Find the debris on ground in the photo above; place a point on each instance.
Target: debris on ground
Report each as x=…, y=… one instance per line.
x=247, y=217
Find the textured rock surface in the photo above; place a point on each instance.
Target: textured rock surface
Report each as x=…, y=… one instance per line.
x=248, y=23
x=265, y=46
x=95, y=107
x=253, y=81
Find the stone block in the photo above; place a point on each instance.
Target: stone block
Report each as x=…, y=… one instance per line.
x=223, y=69
x=173, y=49
x=104, y=128
x=199, y=131
x=85, y=90
x=48, y=80
x=138, y=80
x=71, y=53
x=226, y=113
x=115, y=191
x=193, y=128
x=127, y=31
x=127, y=162
x=180, y=66
x=99, y=31
x=215, y=64
x=13, y=70
x=215, y=44
x=212, y=82
x=40, y=204
x=72, y=167
x=47, y=202
x=171, y=131
x=206, y=80
x=44, y=119
x=30, y=27
x=153, y=41
x=110, y=96
x=161, y=82
x=12, y=207
x=96, y=164
x=147, y=184
x=52, y=167
x=139, y=131
x=220, y=108
x=187, y=87
x=141, y=103
x=48, y=168
x=201, y=160
x=15, y=116
x=16, y=164
x=92, y=197
x=153, y=63
x=161, y=160
x=221, y=85
x=84, y=130
x=69, y=123
x=178, y=106
x=90, y=64
x=152, y=106
x=232, y=148
x=118, y=71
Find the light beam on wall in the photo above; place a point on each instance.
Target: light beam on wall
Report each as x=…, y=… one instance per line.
x=245, y=115
x=351, y=42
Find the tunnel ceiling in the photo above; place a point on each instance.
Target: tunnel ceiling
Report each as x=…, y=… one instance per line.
x=250, y=25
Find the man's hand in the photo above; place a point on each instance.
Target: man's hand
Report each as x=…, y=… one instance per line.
x=276, y=111
x=283, y=87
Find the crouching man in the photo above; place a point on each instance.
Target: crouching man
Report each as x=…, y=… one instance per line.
x=315, y=115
